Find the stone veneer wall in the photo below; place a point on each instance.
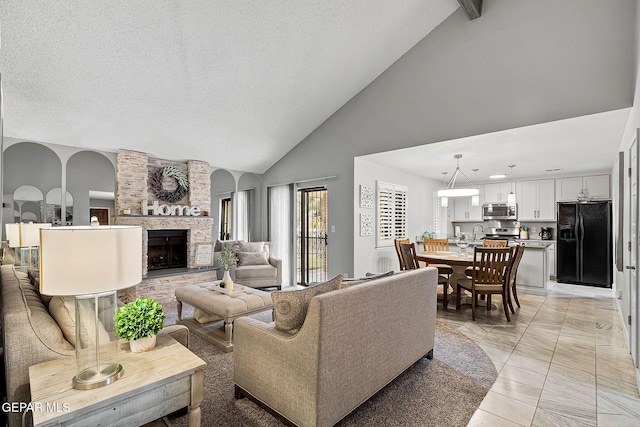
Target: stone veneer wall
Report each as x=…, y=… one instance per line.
x=134, y=170
x=162, y=289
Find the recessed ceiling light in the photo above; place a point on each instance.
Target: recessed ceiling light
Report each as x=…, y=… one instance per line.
x=498, y=176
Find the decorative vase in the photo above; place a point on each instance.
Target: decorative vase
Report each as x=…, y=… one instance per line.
x=226, y=278
x=143, y=344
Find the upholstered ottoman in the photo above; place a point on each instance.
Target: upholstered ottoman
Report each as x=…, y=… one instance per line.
x=213, y=305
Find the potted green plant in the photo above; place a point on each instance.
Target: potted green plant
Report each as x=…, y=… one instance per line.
x=228, y=259
x=138, y=323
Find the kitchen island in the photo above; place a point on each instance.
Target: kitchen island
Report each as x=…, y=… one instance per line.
x=533, y=272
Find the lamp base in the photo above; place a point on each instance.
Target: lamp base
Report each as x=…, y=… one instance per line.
x=90, y=379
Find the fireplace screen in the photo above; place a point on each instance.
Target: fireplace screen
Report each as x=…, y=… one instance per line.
x=167, y=249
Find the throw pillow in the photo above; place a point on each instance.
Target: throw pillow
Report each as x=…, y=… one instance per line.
x=251, y=247
x=252, y=258
x=290, y=307
x=63, y=309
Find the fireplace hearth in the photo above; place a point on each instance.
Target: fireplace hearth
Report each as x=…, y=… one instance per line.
x=167, y=249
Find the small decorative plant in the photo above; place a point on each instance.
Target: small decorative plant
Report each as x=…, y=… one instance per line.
x=141, y=318
x=228, y=258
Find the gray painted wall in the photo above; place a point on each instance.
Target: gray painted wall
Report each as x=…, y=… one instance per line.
x=521, y=63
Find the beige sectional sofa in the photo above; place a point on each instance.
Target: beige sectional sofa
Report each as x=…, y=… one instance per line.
x=353, y=342
x=32, y=336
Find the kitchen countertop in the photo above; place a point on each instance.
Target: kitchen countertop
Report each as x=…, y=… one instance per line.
x=529, y=243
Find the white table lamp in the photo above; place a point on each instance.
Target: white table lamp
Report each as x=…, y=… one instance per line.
x=92, y=263
x=26, y=237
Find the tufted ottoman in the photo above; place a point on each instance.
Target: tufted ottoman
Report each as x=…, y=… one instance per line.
x=207, y=297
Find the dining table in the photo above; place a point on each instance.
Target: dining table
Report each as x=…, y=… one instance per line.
x=457, y=260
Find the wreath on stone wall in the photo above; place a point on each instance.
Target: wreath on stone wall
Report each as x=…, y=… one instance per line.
x=169, y=172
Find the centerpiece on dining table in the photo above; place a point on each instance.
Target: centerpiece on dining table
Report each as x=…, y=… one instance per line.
x=462, y=241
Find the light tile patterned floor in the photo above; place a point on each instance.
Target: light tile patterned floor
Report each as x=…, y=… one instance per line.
x=562, y=360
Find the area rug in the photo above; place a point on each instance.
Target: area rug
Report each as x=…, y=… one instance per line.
x=444, y=391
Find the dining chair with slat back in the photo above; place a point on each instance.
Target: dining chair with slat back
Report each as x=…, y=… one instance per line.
x=491, y=268
x=513, y=273
x=490, y=243
x=445, y=271
x=408, y=251
x=397, y=243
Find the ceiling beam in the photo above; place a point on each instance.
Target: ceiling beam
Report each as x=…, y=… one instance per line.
x=472, y=7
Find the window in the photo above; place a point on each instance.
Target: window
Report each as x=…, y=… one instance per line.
x=225, y=219
x=392, y=213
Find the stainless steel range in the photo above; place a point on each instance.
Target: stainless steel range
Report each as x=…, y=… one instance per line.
x=501, y=230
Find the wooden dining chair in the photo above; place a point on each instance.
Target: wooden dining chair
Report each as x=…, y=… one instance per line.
x=489, y=276
x=397, y=243
x=518, y=251
x=439, y=245
x=408, y=251
x=490, y=243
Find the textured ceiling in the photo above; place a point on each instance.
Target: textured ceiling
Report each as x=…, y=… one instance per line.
x=234, y=83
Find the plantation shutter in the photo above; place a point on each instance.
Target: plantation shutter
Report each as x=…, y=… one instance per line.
x=392, y=213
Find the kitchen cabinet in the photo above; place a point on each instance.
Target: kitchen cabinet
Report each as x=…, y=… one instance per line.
x=497, y=192
x=536, y=200
x=533, y=272
x=595, y=186
x=464, y=211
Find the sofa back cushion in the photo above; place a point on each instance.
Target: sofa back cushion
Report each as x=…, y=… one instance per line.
x=63, y=309
x=290, y=307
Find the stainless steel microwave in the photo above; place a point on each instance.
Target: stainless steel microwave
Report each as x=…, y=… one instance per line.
x=499, y=211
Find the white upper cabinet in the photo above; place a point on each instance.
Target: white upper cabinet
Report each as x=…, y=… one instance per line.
x=497, y=192
x=597, y=186
x=594, y=186
x=536, y=200
x=464, y=210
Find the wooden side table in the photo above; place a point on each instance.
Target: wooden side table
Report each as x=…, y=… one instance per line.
x=154, y=384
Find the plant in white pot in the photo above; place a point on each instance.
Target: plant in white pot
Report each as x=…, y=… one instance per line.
x=139, y=322
x=228, y=259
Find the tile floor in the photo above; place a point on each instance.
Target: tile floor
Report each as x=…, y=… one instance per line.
x=561, y=361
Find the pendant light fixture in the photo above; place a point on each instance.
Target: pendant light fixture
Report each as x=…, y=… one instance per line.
x=444, y=201
x=511, y=197
x=475, y=200
x=452, y=191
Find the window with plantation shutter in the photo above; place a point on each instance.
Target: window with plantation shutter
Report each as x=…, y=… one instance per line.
x=392, y=213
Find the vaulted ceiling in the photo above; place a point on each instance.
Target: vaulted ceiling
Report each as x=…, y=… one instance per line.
x=235, y=83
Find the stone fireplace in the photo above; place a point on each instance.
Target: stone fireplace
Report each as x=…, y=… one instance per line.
x=135, y=171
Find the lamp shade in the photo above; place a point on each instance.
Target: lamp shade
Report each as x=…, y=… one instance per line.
x=458, y=192
x=13, y=234
x=30, y=233
x=24, y=235
x=84, y=260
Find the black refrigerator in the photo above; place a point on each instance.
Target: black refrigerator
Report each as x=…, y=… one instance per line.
x=584, y=244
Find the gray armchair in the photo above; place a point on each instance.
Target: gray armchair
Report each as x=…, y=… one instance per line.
x=257, y=267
